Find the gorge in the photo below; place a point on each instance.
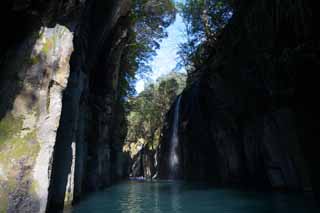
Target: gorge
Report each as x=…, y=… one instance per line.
x=247, y=117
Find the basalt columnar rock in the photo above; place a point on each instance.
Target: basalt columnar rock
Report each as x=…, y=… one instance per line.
x=249, y=115
x=34, y=81
x=60, y=115
x=143, y=164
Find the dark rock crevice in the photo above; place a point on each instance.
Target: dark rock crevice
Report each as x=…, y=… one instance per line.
x=249, y=117
x=90, y=106
x=246, y=117
x=70, y=107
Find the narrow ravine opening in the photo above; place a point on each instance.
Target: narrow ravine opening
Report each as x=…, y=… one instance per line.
x=181, y=53
x=156, y=92
x=159, y=106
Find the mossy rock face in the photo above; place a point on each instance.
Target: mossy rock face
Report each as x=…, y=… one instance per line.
x=3, y=200
x=17, y=148
x=48, y=45
x=9, y=126
x=34, y=60
x=29, y=117
x=18, y=153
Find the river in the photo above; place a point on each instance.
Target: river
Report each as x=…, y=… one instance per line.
x=181, y=197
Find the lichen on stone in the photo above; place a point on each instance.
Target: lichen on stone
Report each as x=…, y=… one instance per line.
x=3, y=200
x=34, y=59
x=48, y=45
x=17, y=148
x=9, y=126
x=17, y=157
x=16, y=151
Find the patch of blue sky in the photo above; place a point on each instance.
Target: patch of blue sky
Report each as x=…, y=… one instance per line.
x=167, y=57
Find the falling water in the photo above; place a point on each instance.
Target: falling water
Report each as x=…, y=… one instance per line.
x=174, y=142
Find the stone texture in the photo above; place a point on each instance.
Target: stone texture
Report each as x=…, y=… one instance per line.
x=143, y=164
x=37, y=106
x=51, y=105
x=2, y=174
x=241, y=116
x=61, y=119
x=91, y=113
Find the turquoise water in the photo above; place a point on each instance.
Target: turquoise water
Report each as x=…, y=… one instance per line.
x=176, y=197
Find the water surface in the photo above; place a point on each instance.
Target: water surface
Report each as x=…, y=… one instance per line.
x=176, y=197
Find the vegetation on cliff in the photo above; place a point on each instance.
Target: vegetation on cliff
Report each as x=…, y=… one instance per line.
x=148, y=111
x=204, y=20
x=145, y=112
x=149, y=20
x=69, y=113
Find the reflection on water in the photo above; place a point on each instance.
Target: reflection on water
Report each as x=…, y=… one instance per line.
x=179, y=197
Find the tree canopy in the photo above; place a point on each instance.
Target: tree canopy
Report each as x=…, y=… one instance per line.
x=204, y=20
x=148, y=110
x=149, y=20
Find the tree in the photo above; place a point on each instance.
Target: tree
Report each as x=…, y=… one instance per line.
x=148, y=110
x=149, y=20
x=204, y=20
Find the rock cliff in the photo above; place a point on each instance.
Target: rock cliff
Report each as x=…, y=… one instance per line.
x=246, y=117
x=60, y=113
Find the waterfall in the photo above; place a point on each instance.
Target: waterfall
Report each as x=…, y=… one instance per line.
x=174, y=142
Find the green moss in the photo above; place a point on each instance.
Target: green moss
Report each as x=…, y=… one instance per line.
x=34, y=186
x=3, y=197
x=10, y=184
x=3, y=202
x=17, y=148
x=34, y=60
x=9, y=126
x=49, y=44
x=12, y=152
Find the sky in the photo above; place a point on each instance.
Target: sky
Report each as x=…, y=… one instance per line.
x=167, y=56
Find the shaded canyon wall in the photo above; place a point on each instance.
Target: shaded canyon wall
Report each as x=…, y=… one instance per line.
x=246, y=117
x=61, y=119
